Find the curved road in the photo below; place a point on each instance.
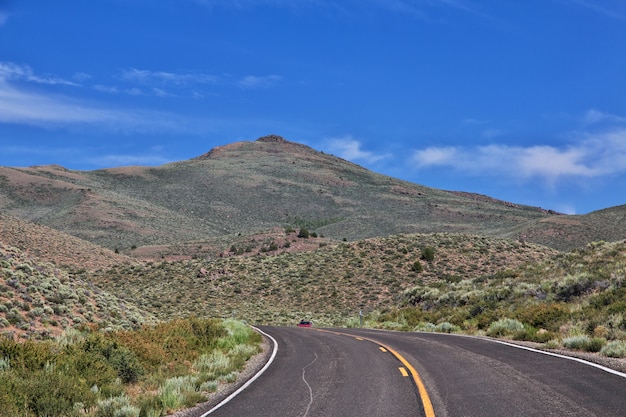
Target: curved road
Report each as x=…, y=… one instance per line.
x=358, y=372
x=325, y=374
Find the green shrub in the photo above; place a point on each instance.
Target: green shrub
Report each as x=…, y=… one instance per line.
x=577, y=342
x=446, y=327
x=428, y=253
x=117, y=407
x=505, y=327
x=532, y=334
x=573, y=286
x=425, y=327
x=614, y=349
x=178, y=392
x=150, y=406
x=417, y=267
x=595, y=344
x=546, y=315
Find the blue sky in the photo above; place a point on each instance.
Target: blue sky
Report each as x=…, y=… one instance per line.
x=522, y=100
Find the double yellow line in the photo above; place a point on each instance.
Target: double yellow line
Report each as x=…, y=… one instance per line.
x=421, y=388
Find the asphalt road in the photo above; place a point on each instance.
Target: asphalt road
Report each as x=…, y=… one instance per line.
x=468, y=376
x=319, y=374
x=345, y=373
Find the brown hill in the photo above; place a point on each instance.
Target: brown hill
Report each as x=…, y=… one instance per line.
x=249, y=187
x=59, y=248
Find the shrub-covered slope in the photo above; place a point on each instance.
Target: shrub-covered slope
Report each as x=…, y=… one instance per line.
x=244, y=187
x=39, y=300
x=326, y=285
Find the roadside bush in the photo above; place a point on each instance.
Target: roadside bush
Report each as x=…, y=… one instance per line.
x=575, y=342
x=532, y=334
x=548, y=315
x=505, y=327
x=584, y=342
x=117, y=407
x=425, y=327
x=614, y=349
x=446, y=327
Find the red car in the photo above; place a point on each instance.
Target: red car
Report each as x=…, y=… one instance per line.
x=305, y=323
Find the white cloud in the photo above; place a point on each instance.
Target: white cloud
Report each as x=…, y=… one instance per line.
x=349, y=148
x=160, y=93
x=53, y=111
x=594, y=116
x=591, y=155
x=164, y=77
x=32, y=108
x=253, y=81
x=12, y=71
x=436, y=156
x=3, y=18
x=134, y=91
x=81, y=76
x=106, y=89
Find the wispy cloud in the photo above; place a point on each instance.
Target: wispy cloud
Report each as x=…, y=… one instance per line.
x=22, y=107
x=253, y=81
x=594, y=116
x=164, y=77
x=3, y=18
x=11, y=71
x=81, y=77
x=421, y=9
x=349, y=148
x=615, y=9
x=590, y=155
x=106, y=89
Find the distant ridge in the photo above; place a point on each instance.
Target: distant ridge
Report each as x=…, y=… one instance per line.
x=248, y=187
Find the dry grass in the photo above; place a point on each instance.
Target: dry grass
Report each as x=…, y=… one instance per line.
x=327, y=285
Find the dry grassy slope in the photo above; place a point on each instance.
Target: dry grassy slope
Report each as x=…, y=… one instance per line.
x=568, y=232
x=247, y=187
x=327, y=284
x=59, y=248
x=39, y=300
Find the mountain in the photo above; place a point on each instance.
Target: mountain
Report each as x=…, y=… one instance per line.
x=245, y=188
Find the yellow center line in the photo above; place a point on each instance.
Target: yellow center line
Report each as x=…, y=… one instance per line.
x=421, y=388
x=403, y=371
x=382, y=349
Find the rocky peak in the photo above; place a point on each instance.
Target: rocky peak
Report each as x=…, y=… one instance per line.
x=272, y=138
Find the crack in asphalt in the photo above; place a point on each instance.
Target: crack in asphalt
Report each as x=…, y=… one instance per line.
x=308, y=385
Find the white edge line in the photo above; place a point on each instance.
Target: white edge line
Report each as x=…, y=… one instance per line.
x=571, y=358
x=251, y=380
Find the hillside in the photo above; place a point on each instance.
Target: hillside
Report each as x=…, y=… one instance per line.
x=249, y=187
x=328, y=284
x=39, y=300
x=59, y=248
x=569, y=232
